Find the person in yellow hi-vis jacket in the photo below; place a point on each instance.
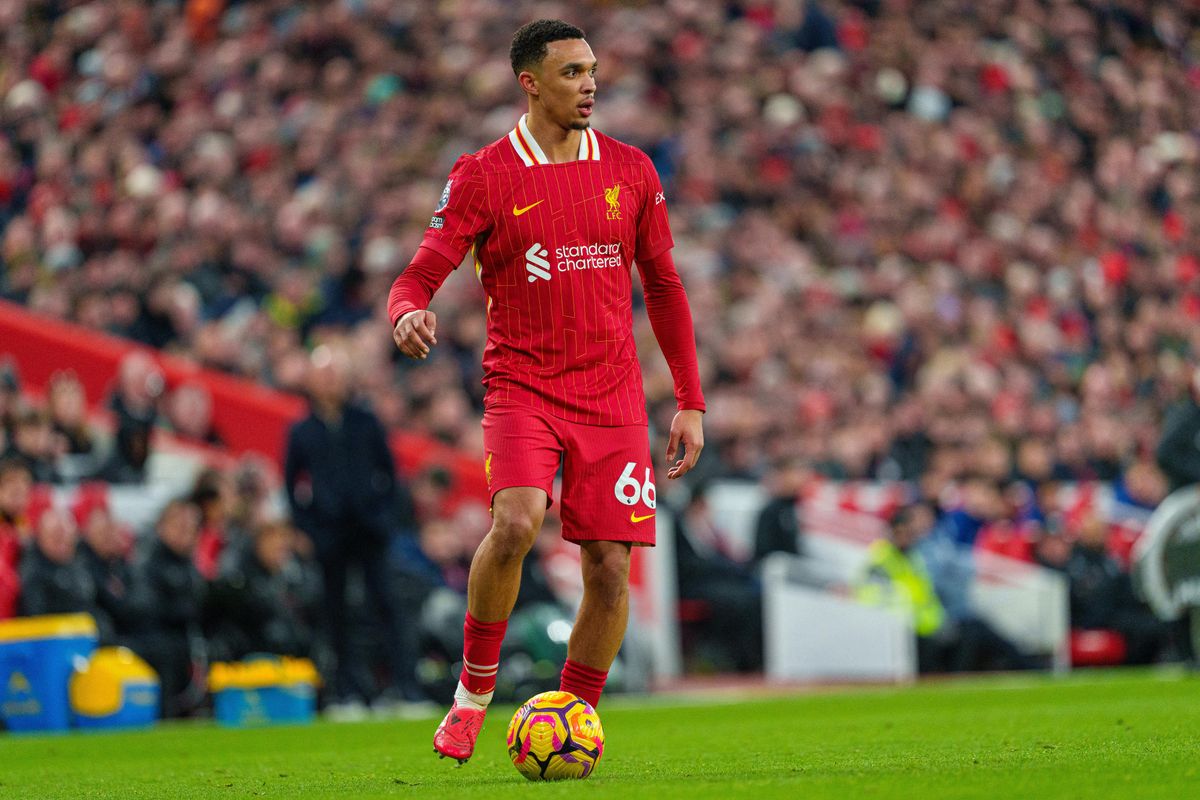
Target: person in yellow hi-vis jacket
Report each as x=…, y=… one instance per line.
x=897, y=576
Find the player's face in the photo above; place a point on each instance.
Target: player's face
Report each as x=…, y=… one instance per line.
x=566, y=81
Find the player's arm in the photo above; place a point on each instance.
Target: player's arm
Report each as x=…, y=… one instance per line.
x=414, y=329
x=671, y=318
x=461, y=216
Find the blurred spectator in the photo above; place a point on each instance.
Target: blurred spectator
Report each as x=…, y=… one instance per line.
x=10, y=401
x=252, y=493
x=342, y=489
x=430, y=490
x=1102, y=597
x=189, y=414
x=139, y=387
x=1143, y=485
x=213, y=494
x=1052, y=551
x=53, y=578
x=911, y=448
x=777, y=529
x=260, y=598
x=104, y=551
x=1179, y=446
x=434, y=559
x=981, y=504
x=725, y=590
x=34, y=444
x=15, y=482
x=170, y=639
x=896, y=577
x=134, y=404
x=67, y=404
x=131, y=450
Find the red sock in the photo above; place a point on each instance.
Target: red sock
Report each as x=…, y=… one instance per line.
x=583, y=681
x=481, y=653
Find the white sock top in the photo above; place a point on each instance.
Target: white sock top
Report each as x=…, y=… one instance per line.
x=465, y=697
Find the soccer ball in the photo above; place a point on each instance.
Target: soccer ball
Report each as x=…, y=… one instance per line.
x=555, y=736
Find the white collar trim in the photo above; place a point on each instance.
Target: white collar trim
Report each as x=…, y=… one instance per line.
x=530, y=152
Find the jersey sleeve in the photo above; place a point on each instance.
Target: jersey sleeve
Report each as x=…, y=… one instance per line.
x=671, y=318
x=653, y=229
x=462, y=212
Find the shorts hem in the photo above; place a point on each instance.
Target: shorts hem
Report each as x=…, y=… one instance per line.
x=492, y=490
x=637, y=540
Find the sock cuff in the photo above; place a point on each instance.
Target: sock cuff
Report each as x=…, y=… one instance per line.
x=584, y=671
x=479, y=700
x=486, y=631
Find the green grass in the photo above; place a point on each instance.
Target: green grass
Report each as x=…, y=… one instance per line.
x=1095, y=735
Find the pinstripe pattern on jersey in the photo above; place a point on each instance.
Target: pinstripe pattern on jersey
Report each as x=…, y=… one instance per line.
x=563, y=346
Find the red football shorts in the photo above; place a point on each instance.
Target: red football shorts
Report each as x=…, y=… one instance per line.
x=608, y=491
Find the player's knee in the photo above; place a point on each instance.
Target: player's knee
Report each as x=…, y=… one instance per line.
x=512, y=534
x=607, y=578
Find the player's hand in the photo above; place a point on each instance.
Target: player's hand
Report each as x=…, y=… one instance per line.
x=415, y=333
x=687, y=429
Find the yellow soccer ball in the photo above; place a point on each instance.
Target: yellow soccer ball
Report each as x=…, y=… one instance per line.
x=555, y=736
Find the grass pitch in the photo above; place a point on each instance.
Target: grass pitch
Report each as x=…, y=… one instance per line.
x=1094, y=735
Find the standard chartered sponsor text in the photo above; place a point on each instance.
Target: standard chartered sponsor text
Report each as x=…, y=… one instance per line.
x=588, y=256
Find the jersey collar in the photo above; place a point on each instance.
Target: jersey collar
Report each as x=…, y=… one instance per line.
x=530, y=152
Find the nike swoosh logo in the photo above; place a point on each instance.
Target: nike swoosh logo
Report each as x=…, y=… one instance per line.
x=519, y=211
x=635, y=518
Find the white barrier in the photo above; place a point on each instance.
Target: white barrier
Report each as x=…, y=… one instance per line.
x=819, y=634
x=815, y=630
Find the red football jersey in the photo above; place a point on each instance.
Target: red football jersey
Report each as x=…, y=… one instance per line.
x=553, y=246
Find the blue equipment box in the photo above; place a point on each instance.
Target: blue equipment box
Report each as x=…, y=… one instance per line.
x=37, y=658
x=264, y=691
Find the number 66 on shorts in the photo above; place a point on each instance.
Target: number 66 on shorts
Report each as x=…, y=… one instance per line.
x=628, y=490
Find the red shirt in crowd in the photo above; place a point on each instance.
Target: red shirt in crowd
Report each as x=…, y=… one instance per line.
x=209, y=547
x=10, y=576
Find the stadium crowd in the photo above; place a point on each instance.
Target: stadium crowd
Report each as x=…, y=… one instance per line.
x=944, y=242
x=334, y=560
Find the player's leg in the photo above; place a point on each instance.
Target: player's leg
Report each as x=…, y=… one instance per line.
x=601, y=621
x=492, y=587
x=523, y=457
x=495, y=576
x=608, y=502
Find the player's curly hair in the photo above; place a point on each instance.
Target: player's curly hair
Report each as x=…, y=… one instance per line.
x=529, y=42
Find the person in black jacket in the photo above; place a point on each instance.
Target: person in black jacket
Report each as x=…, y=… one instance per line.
x=173, y=599
x=103, y=553
x=1102, y=596
x=126, y=464
x=777, y=529
x=259, y=599
x=53, y=579
x=1178, y=451
x=712, y=579
x=343, y=493
x=33, y=443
